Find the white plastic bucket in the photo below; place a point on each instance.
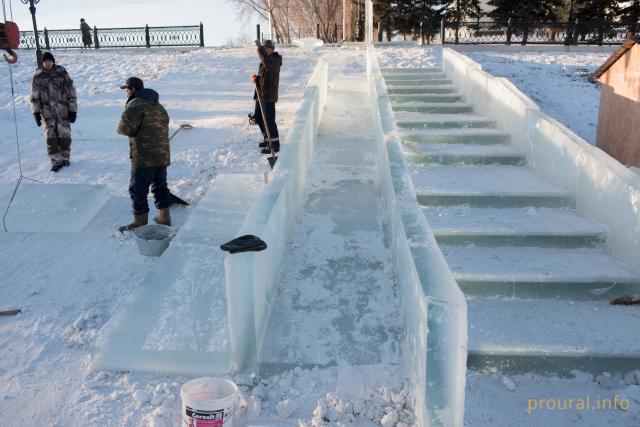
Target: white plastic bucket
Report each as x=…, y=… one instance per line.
x=208, y=402
x=153, y=239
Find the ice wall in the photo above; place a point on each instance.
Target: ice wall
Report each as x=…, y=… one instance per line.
x=603, y=188
x=435, y=319
x=251, y=278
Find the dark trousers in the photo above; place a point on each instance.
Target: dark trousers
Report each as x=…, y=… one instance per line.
x=141, y=179
x=270, y=115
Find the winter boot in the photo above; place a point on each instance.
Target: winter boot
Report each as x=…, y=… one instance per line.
x=56, y=167
x=138, y=221
x=164, y=217
x=66, y=163
x=263, y=144
x=276, y=147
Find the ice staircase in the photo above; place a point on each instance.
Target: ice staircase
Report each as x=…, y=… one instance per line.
x=536, y=273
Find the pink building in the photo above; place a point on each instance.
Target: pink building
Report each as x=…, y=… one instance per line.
x=619, y=118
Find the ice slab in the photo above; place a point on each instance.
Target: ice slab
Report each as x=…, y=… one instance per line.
x=482, y=180
x=460, y=136
x=509, y=222
x=63, y=208
x=537, y=265
x=176, y=322
x=555, y=327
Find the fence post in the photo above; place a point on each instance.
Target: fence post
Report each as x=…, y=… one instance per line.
x=147, y=36
x=318, y=31
x=96, y=42
x=46, y=38
x=575, y=32
x=257, y=31
x=442, y=28
x=509, y=31
x=335, y=33
x=201, y=35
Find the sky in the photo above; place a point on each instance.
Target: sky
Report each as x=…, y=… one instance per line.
x=221, y=18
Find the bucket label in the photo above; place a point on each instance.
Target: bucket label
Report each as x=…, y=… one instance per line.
x=200, y=418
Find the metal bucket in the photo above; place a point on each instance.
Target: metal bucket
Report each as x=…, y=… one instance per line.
x=153, y=239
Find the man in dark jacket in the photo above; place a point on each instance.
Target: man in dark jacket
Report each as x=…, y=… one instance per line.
x=86, y=34
x=146, y=123
x=53, y=101
x=268, y=80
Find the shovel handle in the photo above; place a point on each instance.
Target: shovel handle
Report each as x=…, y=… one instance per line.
x=273, y=158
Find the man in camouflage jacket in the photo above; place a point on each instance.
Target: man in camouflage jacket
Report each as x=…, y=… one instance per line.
x=268, y=80
x=53, y=102
x=146, y=123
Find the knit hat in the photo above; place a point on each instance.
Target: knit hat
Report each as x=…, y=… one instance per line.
x=269, y=44
x=47, y=56
x=134, y=83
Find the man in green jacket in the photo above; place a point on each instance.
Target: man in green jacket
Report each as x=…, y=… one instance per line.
x=146, y=123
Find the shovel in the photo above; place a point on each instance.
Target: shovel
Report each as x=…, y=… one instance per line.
x=182, y=126
x=175, y=199
x=273, y=158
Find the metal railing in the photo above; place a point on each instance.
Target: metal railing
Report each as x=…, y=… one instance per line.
x=587, y=33
x=192, y=35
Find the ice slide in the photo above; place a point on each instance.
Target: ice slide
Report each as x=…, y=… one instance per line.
x=346, y=277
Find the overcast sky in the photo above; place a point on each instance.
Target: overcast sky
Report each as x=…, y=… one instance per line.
x=220, y=17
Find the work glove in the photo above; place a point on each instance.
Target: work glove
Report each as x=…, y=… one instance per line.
x=254, y=78
x=38, y=118
x=72, y=116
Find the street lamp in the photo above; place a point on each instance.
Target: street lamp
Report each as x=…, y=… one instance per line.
x=32, y=9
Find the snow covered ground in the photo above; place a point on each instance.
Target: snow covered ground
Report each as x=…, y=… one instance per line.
x=69, y=284
x=558, y=82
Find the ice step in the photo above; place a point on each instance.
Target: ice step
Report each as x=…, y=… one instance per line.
x=421, y=82
x=410, y=120
x=552, y=336
x=400, y=71
x=417, y=79
x=421, y=89
x=433, y=107
x=449, y=154
x=437, y=97
x=532, y=272
x=518, y=226
x=412, y=81
x=456, y=136
x=489, y=186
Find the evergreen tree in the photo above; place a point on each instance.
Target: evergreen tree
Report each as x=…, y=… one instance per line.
x=520, y=16
x=457, y=11
x=630, y=15
x=596, y=16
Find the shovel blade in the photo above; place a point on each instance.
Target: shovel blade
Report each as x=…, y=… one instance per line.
x=178, y=201
x=272, y=161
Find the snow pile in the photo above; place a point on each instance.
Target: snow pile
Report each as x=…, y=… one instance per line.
x=352, y=396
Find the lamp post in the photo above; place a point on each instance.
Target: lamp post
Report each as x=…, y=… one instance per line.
x=32, y=9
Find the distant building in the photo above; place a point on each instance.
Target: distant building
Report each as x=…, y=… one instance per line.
x=619, y=118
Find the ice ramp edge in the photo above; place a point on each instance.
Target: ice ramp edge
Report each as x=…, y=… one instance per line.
x=435, y=308
x=175, y=321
